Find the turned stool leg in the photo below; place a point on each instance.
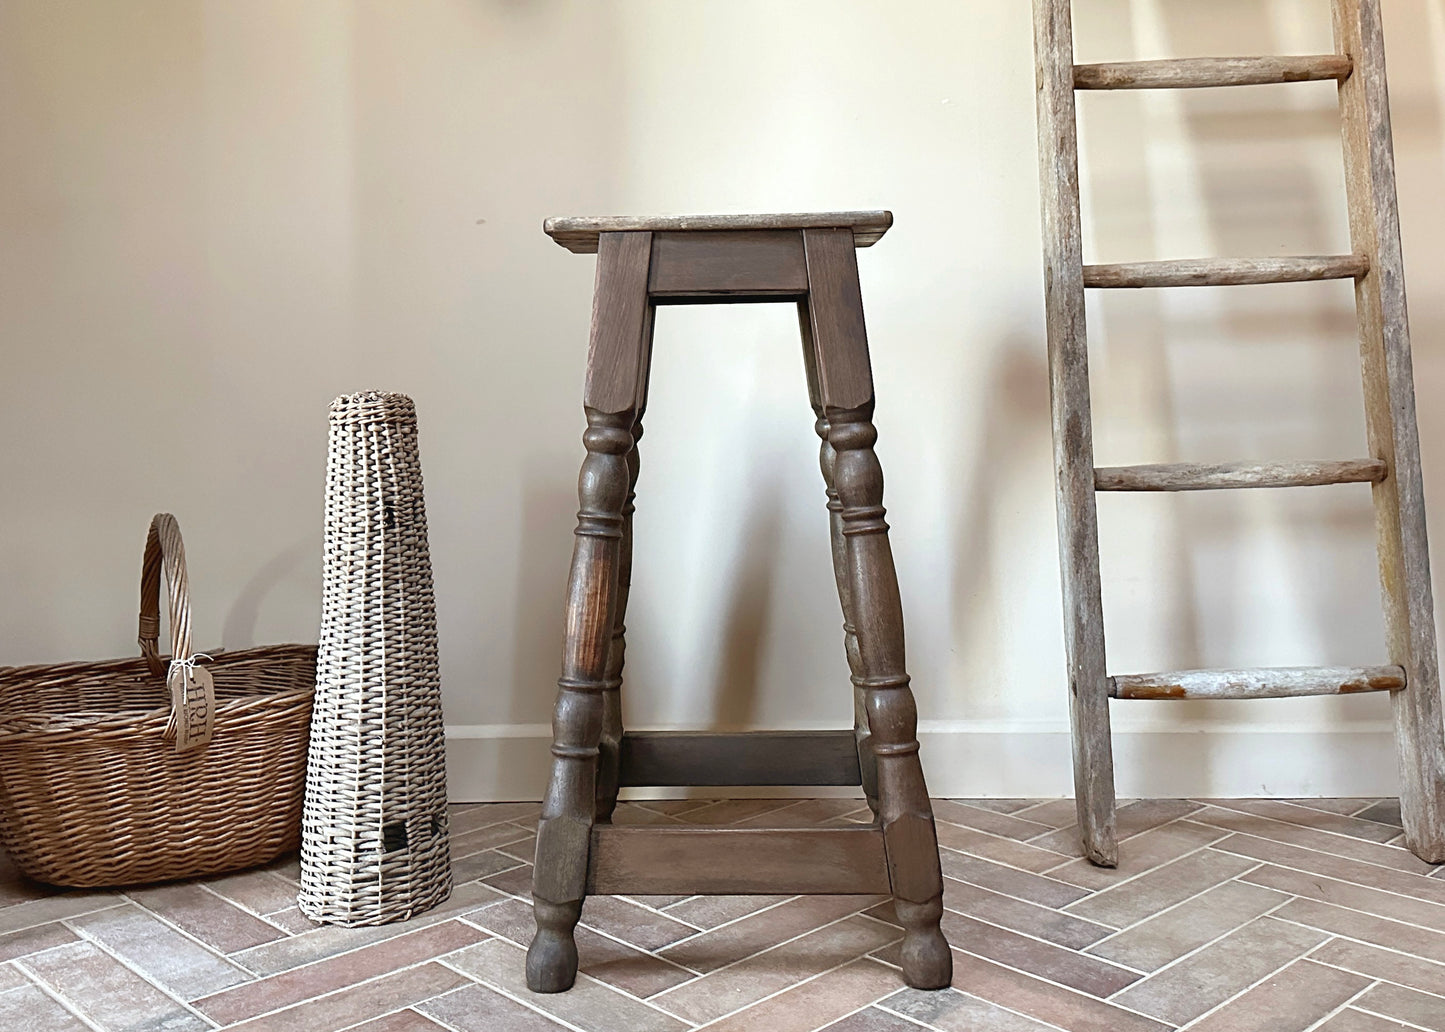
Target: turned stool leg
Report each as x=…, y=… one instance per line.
x=904, y=808
x=845, y=383
x=867, y=762
x=613, y=397
x=609, y=747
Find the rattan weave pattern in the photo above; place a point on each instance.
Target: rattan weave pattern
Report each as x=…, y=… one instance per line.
x=92, y=789
x=374, y=826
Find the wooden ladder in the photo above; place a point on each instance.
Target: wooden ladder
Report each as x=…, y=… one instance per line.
x=1393, y=468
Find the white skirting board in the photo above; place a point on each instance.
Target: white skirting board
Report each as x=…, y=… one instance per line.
x=493, y=763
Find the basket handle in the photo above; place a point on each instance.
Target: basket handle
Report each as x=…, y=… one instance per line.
x=163, y=543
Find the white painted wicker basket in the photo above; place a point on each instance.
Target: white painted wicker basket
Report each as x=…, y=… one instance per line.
x=374, y=823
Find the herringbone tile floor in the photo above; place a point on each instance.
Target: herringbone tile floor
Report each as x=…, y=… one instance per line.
x=1223, y=916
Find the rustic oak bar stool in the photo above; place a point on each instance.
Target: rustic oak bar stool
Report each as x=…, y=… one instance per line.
x=808, y=260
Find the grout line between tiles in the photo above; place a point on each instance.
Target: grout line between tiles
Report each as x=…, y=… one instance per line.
x=58, y=998
x=500, y=991
x=1225, y=1003
x=1187, y=899
x=883, y=1005
x=1368, y=986
x=1226, y=805
x=1333, y=878
x=1135, y=877
x=85, y=936
x=1378, y=978
x=1388, y=1017
x=774, y=946
x=1204, y=946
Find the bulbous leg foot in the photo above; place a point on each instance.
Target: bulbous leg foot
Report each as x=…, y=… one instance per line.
x=927, y=961
x=552, y=957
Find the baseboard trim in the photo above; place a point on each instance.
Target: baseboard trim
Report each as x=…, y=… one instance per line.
x=500, y=762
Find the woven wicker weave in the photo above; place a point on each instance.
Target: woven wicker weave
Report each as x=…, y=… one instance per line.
x=92, y=788
x=374, y=827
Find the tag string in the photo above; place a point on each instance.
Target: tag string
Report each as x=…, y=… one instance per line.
x=189, y=665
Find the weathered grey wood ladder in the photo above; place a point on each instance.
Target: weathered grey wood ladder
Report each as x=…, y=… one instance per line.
x=1412, y=677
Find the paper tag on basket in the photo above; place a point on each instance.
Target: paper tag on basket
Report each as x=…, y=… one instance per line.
x=193, y=703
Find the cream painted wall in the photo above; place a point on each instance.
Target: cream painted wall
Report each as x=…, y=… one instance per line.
x=214, y=217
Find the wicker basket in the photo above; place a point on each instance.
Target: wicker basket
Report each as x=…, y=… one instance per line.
x=374, y=842
x=102, y=784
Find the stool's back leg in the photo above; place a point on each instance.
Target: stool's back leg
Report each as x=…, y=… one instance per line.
x=867, y=762
x=610, y=744
x=621, y=320
x=840, y=345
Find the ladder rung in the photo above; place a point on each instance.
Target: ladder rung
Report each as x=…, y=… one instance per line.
x=1195, y=72
x=1225, y=272
x=1195, y=476
x=1262, y=683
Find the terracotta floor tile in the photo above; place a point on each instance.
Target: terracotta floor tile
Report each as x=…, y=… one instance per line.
x=476, y=1008
x=632, y=970
x=732, y=811
x=359, y=1002
x=29, y=1008
x=401, y=1021
x=1290, y=1000
x=994, y=847
x=871, y=1019
x=329, y=940
x=516, y=882
x=480, y=815
x=979, y=819
x=1381, y=931
x=711, y=911
x=953, y=1011
x=1292, y=838
x=1130, y=902
x=589, y=1005
x=1417, y=1008
x=1307, y=817
x=1425, y=975
x=1076, y=970
x=1144, y=852
x=33, y=940
x=260, y=892
x=1056, y=926
x=723, y=991
x=57, y=906
x=1351, y=1020
x=1208, y=978
x=1056, y=813
x=106, y=992
x=200, y=912
x=1346, y=806
x=1386, y=811
x=1156, y=941
x=180, y=965
x=482, y=865
x=622, y=919
x=708, y=951
x=808, y=1006
x=1044, y=1001
x=1349, y=894
x=805, y=813
x=1133, y=818
x=1007, y=805
x=489, y=837
x=1010, y=881
x=325, y=976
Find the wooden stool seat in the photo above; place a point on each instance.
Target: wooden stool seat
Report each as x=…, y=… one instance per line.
x=807, y=260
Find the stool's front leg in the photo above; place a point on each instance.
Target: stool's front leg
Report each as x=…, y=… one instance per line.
x=559, y=881
x=907, y=817
x=610, y=745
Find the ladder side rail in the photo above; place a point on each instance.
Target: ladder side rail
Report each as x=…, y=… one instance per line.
x=1391, y=424
x=1073, y=430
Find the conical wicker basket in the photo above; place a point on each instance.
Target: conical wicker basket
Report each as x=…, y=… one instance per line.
x=374, y=825
x=96, y=788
